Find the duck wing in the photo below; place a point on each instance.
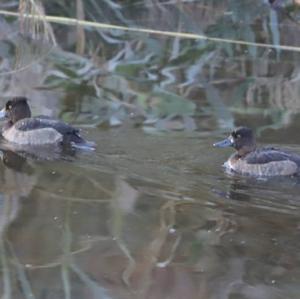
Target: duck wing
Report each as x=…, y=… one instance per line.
x=35, y=123
x=267, y=155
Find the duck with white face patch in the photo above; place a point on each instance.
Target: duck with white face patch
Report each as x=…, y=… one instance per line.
x=250, y=160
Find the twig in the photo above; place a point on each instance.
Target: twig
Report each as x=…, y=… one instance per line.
x=75, y=22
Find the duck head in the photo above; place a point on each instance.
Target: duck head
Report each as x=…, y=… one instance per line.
x=241, y=139
x=16, y=109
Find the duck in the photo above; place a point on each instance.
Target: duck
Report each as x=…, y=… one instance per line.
x=251, y=160
x=22, y=129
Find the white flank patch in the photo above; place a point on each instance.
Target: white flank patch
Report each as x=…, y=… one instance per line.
x=33, y=137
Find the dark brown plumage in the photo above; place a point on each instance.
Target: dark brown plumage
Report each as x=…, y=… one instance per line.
x=267, y=161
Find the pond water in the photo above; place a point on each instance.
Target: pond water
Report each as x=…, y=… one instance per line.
x=151, y=213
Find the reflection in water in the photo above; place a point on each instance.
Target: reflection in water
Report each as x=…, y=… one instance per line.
x=17, y=181
x=119, y=231
x=14, y=161
x=48, y=153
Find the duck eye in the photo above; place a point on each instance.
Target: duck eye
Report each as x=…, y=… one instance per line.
x=8, y=106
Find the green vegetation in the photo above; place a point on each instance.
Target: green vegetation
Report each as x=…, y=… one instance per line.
x=149, y=77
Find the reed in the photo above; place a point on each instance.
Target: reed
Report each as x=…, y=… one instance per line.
x=35, y=16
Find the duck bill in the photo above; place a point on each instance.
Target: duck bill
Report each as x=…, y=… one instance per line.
x=224, y=143
x=2, y=113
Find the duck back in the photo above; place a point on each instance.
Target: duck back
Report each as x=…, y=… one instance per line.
x=271, y=154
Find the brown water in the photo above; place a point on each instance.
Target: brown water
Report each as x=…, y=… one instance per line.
x=157, y=220
x=151, y=213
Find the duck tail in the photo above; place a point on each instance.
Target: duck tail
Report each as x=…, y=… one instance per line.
x=76, y=141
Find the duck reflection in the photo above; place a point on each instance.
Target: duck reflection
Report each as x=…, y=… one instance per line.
x=11, y=152
x=236, y=190
x=249, y=189
x=14, y=161
x=17, y=181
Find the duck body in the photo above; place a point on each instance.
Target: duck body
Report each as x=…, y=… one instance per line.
x=249, y=160
x=24, y=130
x=41, y=131
x=265, y=162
